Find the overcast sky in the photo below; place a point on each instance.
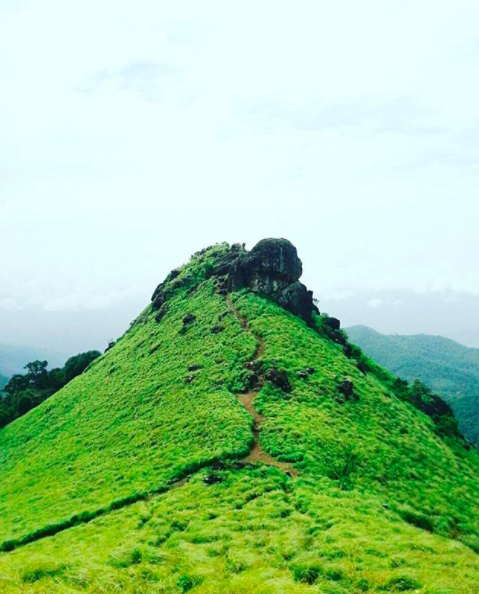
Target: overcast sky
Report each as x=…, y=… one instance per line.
x=135, y=133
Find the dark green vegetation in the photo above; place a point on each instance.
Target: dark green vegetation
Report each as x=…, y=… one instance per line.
x=149, y=444
x=3, y=382
x=449, y=368
x=26, y=391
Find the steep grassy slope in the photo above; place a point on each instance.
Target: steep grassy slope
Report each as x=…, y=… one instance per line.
x=377, y=442
x=379, y=500
x=131, y=423
x=449, y=368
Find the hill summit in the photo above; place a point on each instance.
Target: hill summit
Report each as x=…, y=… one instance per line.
x=233, y=441
x=272, y=269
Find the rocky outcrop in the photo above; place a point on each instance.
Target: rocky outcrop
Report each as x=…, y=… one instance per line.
x=223, y=265
x=279, y=379
x=298, y=300
x=272, y=269
x=333, y=323
x=267, y=269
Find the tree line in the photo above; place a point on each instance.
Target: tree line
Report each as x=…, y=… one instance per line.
x=26, y=391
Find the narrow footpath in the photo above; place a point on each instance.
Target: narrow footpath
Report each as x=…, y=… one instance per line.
x=257, y=453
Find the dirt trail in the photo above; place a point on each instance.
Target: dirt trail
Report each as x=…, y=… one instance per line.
x=257, y=454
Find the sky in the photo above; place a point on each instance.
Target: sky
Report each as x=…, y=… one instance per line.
x=134, y=134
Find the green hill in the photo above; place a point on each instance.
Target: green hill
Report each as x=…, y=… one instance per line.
x=449, y=368
x=3, y=382
x=232, y=441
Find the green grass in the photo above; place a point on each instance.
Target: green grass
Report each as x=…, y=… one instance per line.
x=377, y=443
x=382, y=503
x=256, y=531
x=131, y=423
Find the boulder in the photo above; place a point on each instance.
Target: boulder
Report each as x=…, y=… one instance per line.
x=268, y=268
x=253, y=382
x=346, y=391
x=333, y=323
x=279, y=379
x=223, y=265
x=362, y=367
x=256, y=366
x=189, y=319
x=296, y=299
x=339, y=338
x=160, y=296
x=162, y=312
x=212, y=479
x=272, y=269
x=346, y=388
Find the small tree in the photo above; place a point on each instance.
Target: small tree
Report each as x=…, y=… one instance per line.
x=37, y=374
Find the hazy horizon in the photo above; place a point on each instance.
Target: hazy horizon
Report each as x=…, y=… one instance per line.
x=389, y=312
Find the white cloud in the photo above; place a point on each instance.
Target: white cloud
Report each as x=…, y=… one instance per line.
x=376, y=302
x=10, y=305
x=135, y=134
x=82, y=301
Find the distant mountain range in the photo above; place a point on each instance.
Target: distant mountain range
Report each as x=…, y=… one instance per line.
x=13, y=358
x=449, y=368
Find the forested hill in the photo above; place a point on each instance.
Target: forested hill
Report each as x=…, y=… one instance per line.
x=449, y=368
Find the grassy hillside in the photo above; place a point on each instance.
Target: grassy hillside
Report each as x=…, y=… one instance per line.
x=132, y=422
x=255, y=531
x=449, y=368
x=133, y=479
